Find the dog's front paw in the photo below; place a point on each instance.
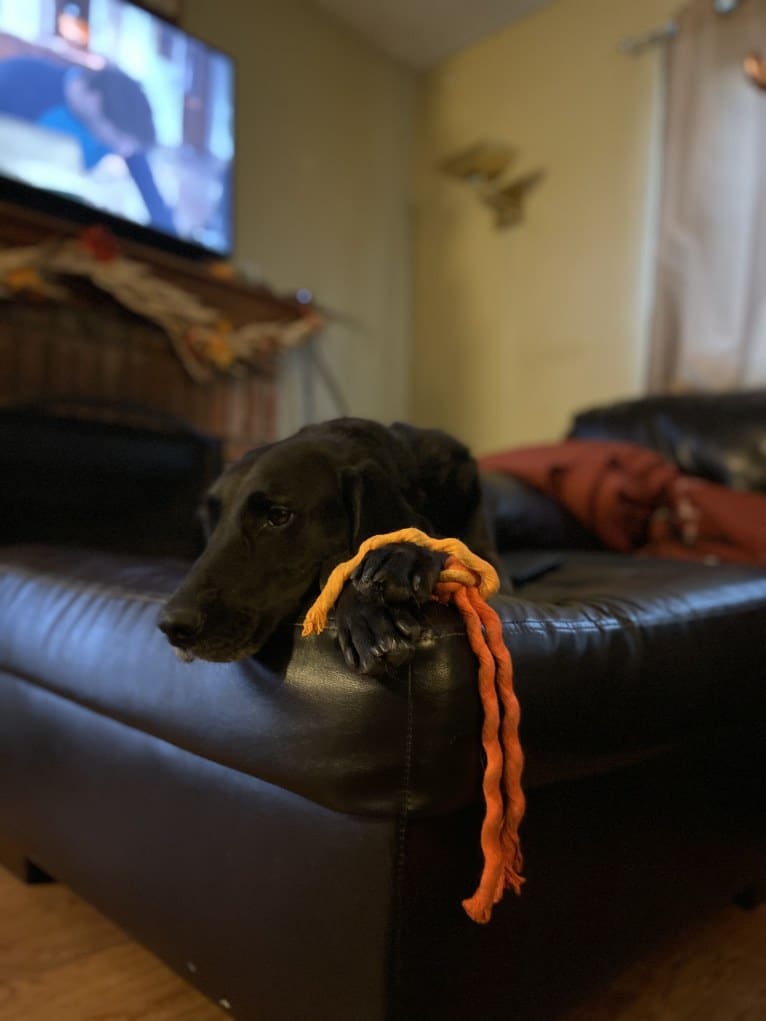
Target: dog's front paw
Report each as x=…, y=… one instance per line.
x=375, y=637
x=400, y=572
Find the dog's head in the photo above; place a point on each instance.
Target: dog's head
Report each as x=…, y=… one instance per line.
x=272, y=521
x=276, y=523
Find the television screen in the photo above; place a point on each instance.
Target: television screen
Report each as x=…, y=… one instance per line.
x=110, y=106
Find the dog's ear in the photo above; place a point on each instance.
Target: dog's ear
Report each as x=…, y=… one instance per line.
x=375, y=503
x=447, y=474
x=449, y=480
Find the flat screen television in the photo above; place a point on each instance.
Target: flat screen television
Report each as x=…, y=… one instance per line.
x=110, y=114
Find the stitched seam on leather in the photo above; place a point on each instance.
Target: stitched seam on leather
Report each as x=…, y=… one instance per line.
x=534, y=623
x=756, y=605
x=33, y=682
x=397, y=933
x=609, y=623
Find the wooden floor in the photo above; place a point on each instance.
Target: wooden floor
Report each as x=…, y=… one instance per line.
x=713, y=972
x=62, y=961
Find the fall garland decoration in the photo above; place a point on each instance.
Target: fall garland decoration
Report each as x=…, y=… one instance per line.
x=205, y=342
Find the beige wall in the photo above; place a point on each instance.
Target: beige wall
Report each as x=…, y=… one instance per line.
x=324, y=135
x=513, y=330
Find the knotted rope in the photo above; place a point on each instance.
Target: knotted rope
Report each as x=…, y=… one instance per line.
x=468, y=581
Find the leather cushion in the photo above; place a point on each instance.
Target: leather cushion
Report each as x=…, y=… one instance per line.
x=522, y=517
x=614, y=657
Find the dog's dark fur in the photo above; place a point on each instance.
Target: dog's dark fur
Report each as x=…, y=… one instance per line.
x=281, y=518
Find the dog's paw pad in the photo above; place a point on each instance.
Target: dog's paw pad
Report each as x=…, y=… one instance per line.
x=398, y=573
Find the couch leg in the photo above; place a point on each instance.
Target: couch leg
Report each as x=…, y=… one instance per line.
x=16, y=862
x=749, y=897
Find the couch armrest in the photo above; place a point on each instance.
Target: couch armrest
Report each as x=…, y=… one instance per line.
x=720, y=437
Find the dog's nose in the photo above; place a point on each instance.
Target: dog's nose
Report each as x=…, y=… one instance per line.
x=181, y=624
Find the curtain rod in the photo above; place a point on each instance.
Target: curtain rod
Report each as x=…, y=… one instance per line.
x=637, y=44
x=634, y=45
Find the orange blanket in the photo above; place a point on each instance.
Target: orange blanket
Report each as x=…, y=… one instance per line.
x=634, y=500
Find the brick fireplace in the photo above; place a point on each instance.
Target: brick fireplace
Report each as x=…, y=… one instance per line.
x=90, y=347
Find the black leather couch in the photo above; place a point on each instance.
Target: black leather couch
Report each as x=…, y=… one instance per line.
x=295, y=840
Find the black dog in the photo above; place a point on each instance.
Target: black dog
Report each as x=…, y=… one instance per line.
x=281, y=518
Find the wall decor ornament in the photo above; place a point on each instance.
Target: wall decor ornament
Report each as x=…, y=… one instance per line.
x=484, y=166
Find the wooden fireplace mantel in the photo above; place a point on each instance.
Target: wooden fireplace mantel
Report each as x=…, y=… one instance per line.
x=239, y=300
x=93, y=348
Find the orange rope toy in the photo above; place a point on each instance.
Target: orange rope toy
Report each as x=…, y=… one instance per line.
x=468, y=581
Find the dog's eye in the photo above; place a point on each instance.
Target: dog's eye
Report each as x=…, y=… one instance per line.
x=278, y=517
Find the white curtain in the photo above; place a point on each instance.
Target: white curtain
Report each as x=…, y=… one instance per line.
x=709, y=324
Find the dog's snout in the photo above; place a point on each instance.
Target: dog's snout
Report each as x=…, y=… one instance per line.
x=181, y=624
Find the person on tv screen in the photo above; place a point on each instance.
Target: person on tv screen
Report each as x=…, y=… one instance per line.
x=105, y=110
